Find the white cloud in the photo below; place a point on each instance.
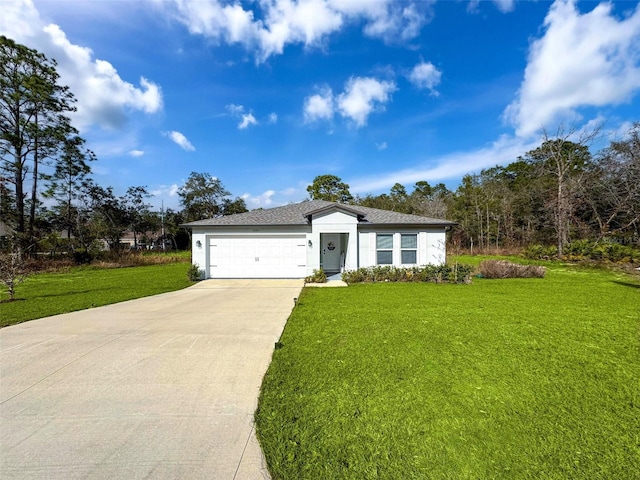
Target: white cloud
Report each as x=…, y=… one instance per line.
x=382, y=146
x=393, y=21
x=229, y=21
x=319, y=106
x=287, y=21
x=247, y=119
x=136, y=153
x=166, y=197
x=268, y=26
x=272, y=118
x=103, y=97
x=275, y=198
x=264, y=200
x=166, y=190
x=362, y=96
x=501, y=152
x=425, y=75
x=234, y=109
x=180, y=140
x=505, y=6
x=589, y=59
x=618, y=133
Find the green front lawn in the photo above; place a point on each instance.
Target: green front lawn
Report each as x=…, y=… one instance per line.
x=46, y=294
x=507, y=379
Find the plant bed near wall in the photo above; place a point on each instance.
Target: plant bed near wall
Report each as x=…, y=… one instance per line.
x=318, y=276
x=454, y=273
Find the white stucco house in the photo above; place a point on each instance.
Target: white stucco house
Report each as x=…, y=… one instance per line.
x=294, y=240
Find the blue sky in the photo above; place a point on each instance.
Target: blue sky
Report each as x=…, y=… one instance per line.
x=268, y=94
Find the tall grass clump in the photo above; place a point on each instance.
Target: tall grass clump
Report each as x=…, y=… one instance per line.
x=506, y=269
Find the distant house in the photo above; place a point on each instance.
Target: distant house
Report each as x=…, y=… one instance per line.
x=294, y=240
x=130, y=241
x=149, y=240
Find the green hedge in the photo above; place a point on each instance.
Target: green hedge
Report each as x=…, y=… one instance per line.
x=457, y=273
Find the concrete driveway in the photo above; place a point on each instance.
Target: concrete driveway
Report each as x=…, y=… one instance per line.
x=160, y=387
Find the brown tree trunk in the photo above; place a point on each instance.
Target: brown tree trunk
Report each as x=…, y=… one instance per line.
x=34, y=187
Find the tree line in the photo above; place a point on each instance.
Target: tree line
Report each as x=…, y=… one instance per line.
x=555, y=194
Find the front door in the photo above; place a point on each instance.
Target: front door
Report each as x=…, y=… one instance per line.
x=331, y=249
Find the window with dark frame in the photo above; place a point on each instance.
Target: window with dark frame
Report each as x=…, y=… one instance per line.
x=384, y=249
x=409, y=248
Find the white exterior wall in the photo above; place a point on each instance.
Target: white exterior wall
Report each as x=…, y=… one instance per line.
x=199, y=250
x=431, y=246
x=365, y=255
x=333, y=222
x=436, y=252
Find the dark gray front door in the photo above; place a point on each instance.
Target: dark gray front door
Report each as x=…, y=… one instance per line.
x=330, y=253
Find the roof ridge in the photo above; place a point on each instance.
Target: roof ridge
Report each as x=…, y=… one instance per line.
x=297, y=213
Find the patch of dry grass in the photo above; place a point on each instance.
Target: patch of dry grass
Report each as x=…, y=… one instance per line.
x=109, y=260
x=506, y=269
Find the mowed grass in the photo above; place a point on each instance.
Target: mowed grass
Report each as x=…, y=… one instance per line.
x=501, y=379
x=46, y=294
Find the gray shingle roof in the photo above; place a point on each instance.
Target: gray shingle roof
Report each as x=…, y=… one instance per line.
x=296, y=214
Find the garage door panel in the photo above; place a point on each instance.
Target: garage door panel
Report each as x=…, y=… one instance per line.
x=257, y=257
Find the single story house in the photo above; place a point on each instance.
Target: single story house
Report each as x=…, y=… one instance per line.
x=294, y=240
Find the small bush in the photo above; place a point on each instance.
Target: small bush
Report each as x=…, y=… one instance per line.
x=504, y=269
x=194, y=273
x=82, y=256
x=613, y=252
x=318, y=276
x=579, y=248
x=430, y=273
x=540, y=252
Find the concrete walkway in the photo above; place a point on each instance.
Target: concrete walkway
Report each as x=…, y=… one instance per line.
x=161, y=387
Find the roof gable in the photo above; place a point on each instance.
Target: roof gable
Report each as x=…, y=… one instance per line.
x=335, y=207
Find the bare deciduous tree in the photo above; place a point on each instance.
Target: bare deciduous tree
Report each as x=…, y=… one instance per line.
x=613, y=192
x=12, y=270
x=564, y=158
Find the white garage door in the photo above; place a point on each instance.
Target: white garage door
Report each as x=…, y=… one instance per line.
x=282, y=256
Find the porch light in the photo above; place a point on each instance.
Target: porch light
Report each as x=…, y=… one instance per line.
x=199, y=244
x=310, y=244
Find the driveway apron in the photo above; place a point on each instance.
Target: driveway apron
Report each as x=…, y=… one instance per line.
x=160, y=387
